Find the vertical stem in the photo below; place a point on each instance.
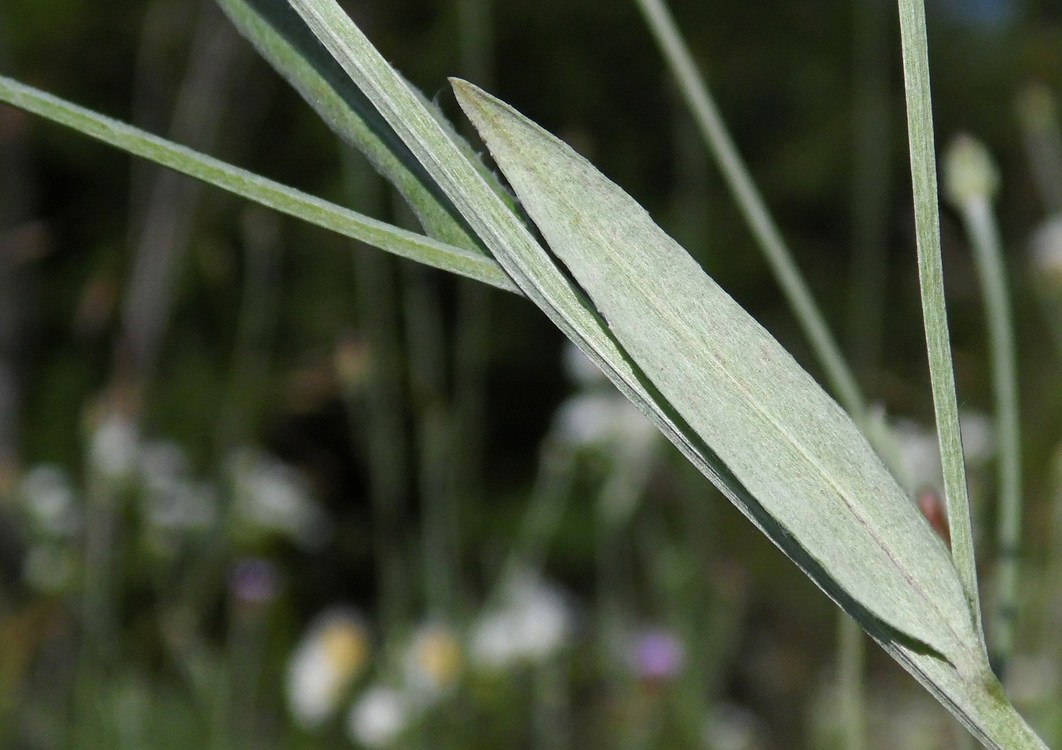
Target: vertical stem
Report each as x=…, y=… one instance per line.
x=163, y=224
x=984, y=235
x=751, y=204
x=931, y=281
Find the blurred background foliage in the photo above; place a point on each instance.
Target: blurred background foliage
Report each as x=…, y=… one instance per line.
x=153, y=331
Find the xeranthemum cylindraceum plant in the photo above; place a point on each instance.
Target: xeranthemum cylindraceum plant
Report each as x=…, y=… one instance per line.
x=709, y=376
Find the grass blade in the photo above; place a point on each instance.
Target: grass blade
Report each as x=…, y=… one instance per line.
x=249, y=185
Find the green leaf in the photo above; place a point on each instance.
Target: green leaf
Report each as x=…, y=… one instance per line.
x=470, y=263
x=281, y=37
x=785, y=449
x=972, y=695
x=783, y=438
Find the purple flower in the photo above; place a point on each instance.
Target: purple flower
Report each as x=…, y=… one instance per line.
x=657, y=655
x=254, y=580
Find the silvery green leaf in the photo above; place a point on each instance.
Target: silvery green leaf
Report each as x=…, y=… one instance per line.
x=775, y=429
x=972, y=694
x=796, y=456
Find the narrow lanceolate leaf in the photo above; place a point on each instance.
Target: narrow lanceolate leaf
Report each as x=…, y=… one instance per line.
x=802, y=468
x=972, y=695
x=288, y=200
x=787, y=442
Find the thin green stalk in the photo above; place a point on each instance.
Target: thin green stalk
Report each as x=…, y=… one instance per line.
x=249, y=185
x=972, y=181
x=984, y=233
x=164, y=205
x=931, y=282
x=750, y=202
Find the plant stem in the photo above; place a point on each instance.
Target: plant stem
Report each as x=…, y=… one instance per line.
x=984, y=236
x=931, y=282
x=750, y=202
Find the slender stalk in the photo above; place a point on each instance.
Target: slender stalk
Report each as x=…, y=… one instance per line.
x=750, y=202
x=248, y=185
x=971, y=182
x=931, y=282
x=163, y=223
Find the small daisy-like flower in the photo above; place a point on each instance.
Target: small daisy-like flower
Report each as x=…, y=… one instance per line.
x=114, y=446
x=272, y=497
x=49, y=503
x=533, y=622
x=602, y=420
x=330, y=655
x=379, y=716
x=432, y=662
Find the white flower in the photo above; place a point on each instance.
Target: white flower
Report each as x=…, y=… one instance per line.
x=379, y=716
x=532, y=624
x=272, y=497
x=432, y=661
x=48, y=501
x=969, y=172
x=328, y=658
x=919, y=451
x=605, y=420
x=113, y=447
